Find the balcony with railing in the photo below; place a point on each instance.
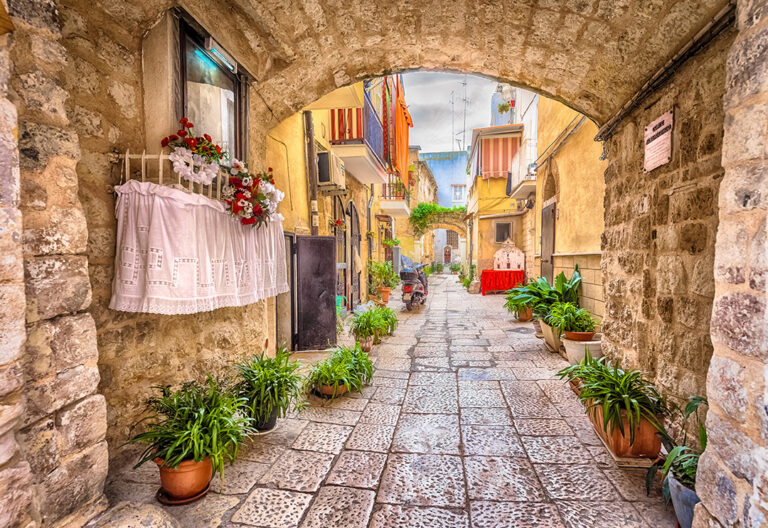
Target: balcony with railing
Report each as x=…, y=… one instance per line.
x=357, y=136
x=394, y=198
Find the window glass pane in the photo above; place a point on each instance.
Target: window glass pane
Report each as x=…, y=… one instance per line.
x=210, y=97
x=502, y=232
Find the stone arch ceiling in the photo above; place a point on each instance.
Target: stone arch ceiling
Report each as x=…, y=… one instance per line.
x=591, y=54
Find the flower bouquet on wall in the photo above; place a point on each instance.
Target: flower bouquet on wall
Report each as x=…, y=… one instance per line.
x=195, y=159
x=253, y=198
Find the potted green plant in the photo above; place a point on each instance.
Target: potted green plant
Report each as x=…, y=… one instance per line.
x=682, y=461
x=190, y=434
x=626, y=410
x=455, y=269
x=389, y=320
x=367, y=324
x=383, y=278
x=437, y=267
x=578, y=325
x=519, y=307
x=269, y=387
x=391, y=242
x=347, y=369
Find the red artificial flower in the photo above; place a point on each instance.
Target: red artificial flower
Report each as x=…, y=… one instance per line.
x=218, y=149
x=207, y=137
x=188, y=125
x=248, y=221
x=182, y=133
x=164, y=142
x=270, y=169
x=183, y=120
x=173, y=137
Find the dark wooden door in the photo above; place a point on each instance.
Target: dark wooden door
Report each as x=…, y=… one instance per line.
x=316, y=292
x=547, y=241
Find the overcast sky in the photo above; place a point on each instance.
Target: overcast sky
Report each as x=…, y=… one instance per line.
x=428, y=95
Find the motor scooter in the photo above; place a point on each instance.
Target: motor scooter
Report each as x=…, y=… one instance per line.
x=415, y=287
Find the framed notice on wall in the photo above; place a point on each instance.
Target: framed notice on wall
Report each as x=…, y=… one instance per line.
x=658, y=142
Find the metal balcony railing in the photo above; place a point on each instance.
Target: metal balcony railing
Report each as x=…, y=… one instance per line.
x=394, y=191
x=358, y=125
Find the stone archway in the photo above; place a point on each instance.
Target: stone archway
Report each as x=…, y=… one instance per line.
x=73, y=104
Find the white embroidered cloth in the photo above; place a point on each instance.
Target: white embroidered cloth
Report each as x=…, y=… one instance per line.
x=181, y=253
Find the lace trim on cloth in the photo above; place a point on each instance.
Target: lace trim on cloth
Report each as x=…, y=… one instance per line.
x=182, y=253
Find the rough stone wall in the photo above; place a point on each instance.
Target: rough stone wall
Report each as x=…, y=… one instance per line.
x=135, y=351
x=64, y=420
x=15, y=472
x=732, y=479
x=658, y=244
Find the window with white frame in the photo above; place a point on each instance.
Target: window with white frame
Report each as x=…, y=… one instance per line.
x=458, y=192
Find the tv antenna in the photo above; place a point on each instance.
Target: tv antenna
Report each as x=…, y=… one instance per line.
x=467, y=102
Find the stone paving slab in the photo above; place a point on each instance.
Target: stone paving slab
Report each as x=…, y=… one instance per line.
x=464, y=426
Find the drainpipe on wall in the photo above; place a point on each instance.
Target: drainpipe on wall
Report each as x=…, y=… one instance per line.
x=311, y=162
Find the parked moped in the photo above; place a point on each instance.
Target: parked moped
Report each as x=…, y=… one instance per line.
x=415, y=287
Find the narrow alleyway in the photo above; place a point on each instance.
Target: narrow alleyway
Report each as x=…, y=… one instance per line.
x=465, y=425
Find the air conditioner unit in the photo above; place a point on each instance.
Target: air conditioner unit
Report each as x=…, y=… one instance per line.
x=331, y=176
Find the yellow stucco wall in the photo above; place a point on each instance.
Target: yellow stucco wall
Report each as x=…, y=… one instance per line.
x=579, y=175
x=488, y=197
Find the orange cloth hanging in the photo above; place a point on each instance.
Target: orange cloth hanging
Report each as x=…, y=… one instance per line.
x=403, y=123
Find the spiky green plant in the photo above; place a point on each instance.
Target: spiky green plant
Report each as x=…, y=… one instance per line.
x=268, y=384
x=569, y=318
x=197, y=421
x=348, y=366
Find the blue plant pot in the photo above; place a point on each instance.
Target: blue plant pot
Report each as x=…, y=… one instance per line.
x=684, y=499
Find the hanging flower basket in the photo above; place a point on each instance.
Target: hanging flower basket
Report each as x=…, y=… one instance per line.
x=253, y=198
x=338, y=223
x=195, y=159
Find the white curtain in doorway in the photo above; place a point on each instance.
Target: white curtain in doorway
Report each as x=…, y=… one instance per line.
x=182, y=253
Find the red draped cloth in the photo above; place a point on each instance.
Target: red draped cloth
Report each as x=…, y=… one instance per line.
x=500, y=280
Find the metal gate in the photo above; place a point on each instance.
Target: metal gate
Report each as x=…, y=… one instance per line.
x=355, y=263
x=316, y=287
x=548, y=241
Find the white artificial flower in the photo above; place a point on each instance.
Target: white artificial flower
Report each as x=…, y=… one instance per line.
x=246, y=181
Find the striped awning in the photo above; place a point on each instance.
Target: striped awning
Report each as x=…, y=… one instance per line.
x=497, y=155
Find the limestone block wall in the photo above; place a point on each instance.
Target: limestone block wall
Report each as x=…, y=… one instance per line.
x=591, y=290
x=15, y=472
x=732, y=480
x=64, y=421
x=658, y=244
x=135, y=351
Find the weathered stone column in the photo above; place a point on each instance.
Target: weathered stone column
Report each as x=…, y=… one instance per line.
x=64, y=421
x=15, y=474
x=732, y=481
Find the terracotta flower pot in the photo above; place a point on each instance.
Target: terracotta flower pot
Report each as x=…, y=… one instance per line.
x=366, y=344
x=524, y=314
x=384, y=292
x=187, y=480
x=579, y=336
x=574, y=384
x=328, y=390
x=647, y=442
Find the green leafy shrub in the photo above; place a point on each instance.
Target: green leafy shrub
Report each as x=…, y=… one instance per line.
x=569, y=318
x=382, y=275
x=347, y=366
x=617, y=393
x=390, y=242
x=438, y=267
x=390, y=318
x=539, y=295
x=268, y=384
x=367, y=323
x=428, y=270
x=197, y=421
x=426, y=212
x=454, y=268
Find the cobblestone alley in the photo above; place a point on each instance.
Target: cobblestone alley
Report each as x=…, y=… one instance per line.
x=465, y=424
